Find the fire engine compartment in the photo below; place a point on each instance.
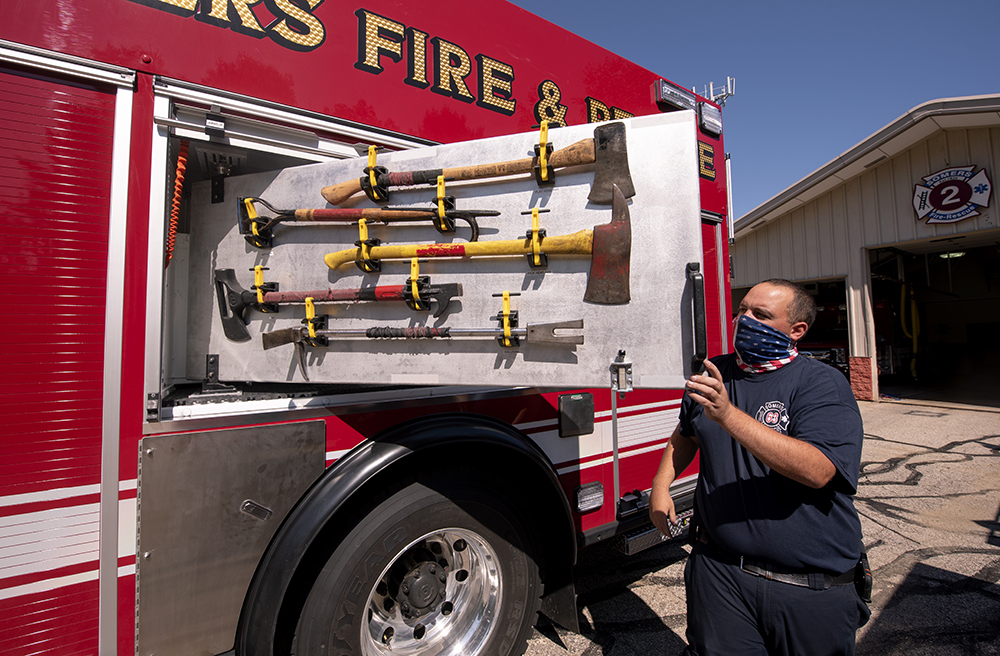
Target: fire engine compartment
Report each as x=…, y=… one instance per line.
x=654, y=328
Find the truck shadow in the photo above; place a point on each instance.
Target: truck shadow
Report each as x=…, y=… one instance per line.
x=616, y=595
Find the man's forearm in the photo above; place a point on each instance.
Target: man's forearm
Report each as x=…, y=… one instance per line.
x=790, y=457
x=680, y=452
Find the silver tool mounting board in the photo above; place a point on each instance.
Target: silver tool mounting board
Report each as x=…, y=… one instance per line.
x=655, y=328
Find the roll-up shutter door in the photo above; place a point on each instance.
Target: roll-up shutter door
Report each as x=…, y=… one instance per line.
x=55, y=178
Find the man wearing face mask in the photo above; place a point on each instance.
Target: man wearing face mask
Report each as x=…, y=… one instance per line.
x=776, y=538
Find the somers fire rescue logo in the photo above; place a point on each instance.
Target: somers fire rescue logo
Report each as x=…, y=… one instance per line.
x=952, y=195
x=773, y=414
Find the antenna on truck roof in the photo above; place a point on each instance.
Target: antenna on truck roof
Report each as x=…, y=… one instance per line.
x=723, y=94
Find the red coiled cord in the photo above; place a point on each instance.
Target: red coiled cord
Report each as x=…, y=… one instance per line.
x=175, y=203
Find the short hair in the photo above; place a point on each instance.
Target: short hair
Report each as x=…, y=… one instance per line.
x=802, y=307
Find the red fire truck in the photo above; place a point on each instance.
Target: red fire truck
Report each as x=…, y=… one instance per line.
x=167, y=489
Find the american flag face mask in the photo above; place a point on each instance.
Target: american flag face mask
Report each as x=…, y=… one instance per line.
x=759, y=347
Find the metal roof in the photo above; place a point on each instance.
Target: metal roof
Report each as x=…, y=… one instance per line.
x=910, y=128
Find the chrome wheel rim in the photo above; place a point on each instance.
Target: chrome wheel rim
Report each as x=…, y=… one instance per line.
x=438, y=597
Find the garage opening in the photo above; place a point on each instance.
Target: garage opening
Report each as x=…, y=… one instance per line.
x=937, y=320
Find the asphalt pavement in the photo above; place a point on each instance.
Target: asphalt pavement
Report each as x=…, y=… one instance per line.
x=929, y=500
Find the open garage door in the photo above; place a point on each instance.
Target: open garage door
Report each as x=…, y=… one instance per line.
x=937, y=317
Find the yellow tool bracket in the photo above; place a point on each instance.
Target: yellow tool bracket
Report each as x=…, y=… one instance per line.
x=372, y=156
x=415, y=280
x=545, y=175
x=441, y=199
x=261, y=288
x=251, y=215
x=364, y=244
x=258, y=282
x=508, y=320
x=543, y=155
x=536, y=258
x=310, y=315
x=313, y=323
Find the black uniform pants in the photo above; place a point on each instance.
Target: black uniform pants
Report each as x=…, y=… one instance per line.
x=732, y=612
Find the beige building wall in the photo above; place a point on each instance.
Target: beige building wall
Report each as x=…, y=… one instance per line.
x=829, y=235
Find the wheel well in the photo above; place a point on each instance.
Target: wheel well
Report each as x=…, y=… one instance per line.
x=391, y=460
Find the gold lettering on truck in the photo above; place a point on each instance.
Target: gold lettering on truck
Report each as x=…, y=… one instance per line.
x=496, y=85
x=416, y=58
x=451, y=66
x=234, y=14
x=706, y=160
x=300, y=29
x=548, y=107
x=377, y=36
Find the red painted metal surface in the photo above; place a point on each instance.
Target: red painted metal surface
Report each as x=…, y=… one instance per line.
x=55, y=158
x=61, y=622
x=55, y=190
x=436, y=70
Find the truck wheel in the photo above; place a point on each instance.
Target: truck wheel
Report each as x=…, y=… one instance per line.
x=433, y=569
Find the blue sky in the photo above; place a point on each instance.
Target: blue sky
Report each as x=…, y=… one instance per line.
x=812, y=78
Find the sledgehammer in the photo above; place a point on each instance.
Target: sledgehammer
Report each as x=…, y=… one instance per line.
x=606, y=150
x=610, y=247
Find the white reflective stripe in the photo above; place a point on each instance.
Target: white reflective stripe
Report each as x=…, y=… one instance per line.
x=49, y=584
x=28, y=523
x=335, y=455
x=127, y=512
x=675, y=403
x=609, y=459
x=49, y=539
x=126, y=570
x=49, y=495
x=637, y=429
x=131, y=484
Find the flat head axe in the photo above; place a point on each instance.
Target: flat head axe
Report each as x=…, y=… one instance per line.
x=609, y=245
x=607, y=149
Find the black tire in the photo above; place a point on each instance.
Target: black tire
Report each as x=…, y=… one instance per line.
x=380, y=590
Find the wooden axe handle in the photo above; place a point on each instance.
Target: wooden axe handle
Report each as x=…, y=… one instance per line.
x=582, y=152
x=578, y=243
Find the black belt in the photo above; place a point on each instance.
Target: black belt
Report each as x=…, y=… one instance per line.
x=814, y=580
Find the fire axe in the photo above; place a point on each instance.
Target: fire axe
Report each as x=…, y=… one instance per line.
x=609, y=245
x=607, y=149
x=234, y=300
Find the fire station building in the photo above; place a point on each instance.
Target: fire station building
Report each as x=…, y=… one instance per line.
x=898, y=239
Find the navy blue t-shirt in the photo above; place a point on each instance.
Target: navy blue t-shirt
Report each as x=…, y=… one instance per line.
x=754, y=512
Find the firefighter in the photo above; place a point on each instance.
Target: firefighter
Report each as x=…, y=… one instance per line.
x=776, y=538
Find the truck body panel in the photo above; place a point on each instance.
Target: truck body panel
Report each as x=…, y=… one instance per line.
x=97, y=98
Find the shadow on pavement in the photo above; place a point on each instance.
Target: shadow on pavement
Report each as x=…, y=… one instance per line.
x=935, y=611
x=614, y=587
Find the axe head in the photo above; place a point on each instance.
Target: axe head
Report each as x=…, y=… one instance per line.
x=608, y=283
x=611, y=160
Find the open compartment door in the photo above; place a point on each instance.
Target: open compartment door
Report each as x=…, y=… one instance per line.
x=654, y=325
